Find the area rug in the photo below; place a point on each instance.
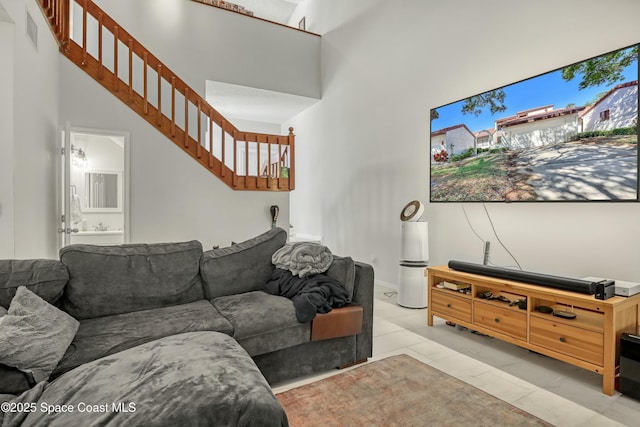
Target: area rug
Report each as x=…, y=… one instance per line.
x=398, y=391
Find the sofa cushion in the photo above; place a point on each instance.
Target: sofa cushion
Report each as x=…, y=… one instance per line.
x=192, y=379
x=34, y=335
x=103, y=336
x=108, y=280
x=343, y=269
x=44, y=277
x=263, y=323
x=242, y=267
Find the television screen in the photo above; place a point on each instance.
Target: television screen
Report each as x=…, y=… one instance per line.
x=567, y=135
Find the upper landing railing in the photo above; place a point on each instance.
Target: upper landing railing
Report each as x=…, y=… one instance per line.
x=232, y=7
x=97, y=44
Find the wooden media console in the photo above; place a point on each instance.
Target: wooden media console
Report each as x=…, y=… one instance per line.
x=513, y=312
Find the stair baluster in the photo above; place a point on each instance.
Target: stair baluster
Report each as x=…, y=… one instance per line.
x=58, y=14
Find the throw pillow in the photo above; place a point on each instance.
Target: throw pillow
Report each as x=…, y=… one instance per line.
x=34, y=335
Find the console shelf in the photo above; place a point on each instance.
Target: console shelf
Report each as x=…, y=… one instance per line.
x=511, y=311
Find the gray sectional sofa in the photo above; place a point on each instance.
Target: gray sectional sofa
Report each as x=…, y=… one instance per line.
x=196, y=324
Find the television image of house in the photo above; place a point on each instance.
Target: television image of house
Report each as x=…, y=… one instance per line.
x=485, y=138
x=539, y=126
x=457, y=139
x=616, y=109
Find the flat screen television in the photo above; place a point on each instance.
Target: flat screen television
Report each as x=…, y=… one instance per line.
x=567, y=135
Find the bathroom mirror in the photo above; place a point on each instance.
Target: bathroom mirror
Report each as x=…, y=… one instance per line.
x=103, y=191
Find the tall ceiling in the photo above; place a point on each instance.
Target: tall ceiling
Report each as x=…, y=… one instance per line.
x=246, y=103
x=253, y=104
x=274, y=10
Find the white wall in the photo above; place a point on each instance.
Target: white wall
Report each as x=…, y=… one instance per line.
x=35, y=124
x=7, y=30
x=259, y=127
x=366, y=145
x=200, y=42
x=173, y=198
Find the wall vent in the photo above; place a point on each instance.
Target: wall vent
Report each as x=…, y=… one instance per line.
x=32, y=30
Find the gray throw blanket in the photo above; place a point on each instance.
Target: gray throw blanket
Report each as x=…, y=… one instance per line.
x=303, y=258
x=195, y=379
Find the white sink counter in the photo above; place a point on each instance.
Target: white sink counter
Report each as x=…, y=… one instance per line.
x=98, y=233
x=98, y=237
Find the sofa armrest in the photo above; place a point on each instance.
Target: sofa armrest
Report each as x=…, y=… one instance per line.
x=363, y=295
x=345, y=321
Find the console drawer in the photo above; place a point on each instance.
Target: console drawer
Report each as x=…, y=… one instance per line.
x=504, y=320
x=570, y=340
x=450, y=306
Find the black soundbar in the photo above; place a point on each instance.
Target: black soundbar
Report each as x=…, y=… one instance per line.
x=564, y=283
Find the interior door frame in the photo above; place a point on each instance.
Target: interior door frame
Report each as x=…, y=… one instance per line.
x=64, y=178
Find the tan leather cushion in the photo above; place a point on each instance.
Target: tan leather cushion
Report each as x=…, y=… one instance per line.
x=339, y=322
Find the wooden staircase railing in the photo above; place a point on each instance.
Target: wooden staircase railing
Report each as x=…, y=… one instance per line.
x=97, y=44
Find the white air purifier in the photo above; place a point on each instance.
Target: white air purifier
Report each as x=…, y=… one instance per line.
x=414, y=257
x=415, y=241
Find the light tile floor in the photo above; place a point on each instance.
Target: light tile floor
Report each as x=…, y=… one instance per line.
x=554, y=391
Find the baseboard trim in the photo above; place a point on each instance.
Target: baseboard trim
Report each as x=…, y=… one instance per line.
x=393, y=286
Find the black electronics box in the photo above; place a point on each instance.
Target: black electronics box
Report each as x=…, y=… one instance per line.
x=605, y=289
x=630, y=365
